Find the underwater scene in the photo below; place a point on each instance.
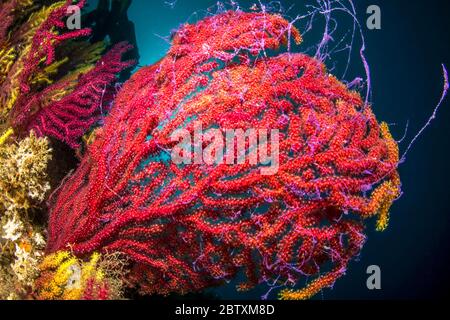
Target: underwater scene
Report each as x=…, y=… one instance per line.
x=176, y=150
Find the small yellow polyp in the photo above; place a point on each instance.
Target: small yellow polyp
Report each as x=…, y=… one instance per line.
x=6, y=135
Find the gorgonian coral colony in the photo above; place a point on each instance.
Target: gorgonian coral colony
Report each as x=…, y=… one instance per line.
x=187, y=227
x=49, y=82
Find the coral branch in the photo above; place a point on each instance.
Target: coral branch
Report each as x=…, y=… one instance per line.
x=71, y=117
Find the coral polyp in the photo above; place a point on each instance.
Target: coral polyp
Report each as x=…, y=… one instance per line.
x=187, y=227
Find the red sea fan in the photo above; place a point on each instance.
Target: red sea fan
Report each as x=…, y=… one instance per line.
x=64, y=108
x=186, y=227
x=71, y=117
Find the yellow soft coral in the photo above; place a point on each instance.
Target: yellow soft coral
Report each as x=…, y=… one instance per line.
x=313, y=288
x=65, y=277
x=5, y=136
x=384, y=195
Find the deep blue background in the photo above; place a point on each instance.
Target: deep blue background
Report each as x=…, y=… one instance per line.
x=405, y=57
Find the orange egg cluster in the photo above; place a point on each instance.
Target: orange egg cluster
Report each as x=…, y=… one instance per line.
x=187, y=227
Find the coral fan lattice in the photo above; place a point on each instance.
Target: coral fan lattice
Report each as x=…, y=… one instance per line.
x=186, y=227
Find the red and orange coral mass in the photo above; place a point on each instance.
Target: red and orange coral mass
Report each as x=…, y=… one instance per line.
x=187, y=227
